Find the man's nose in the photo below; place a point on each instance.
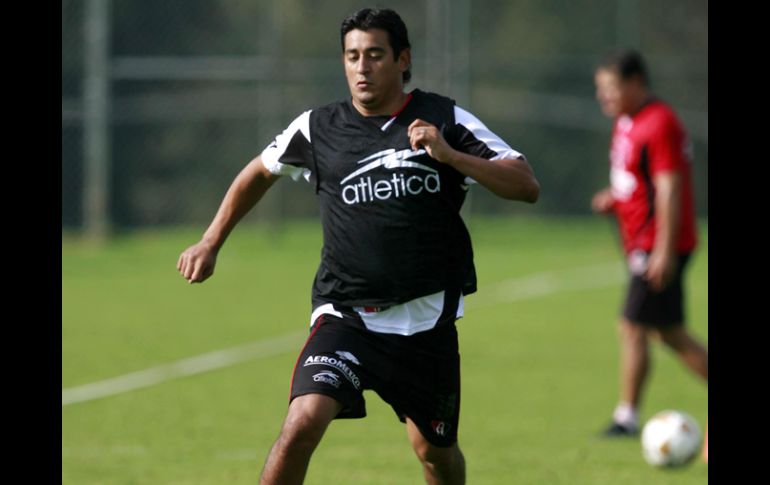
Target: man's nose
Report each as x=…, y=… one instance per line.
x=362, y=65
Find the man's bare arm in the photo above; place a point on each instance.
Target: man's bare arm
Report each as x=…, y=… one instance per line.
x=197, y=262
x=508, y=178
x=662, y=263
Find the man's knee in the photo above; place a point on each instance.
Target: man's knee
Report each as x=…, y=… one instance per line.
x=301, y=432
x=632, y=332
x=675, y=337
x=439, y=458
x=307, y=420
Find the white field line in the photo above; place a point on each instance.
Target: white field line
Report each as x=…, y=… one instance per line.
x=538, y=284
x=182, y=368
x=548, y=283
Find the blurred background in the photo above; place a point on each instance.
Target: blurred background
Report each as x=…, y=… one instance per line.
x=164, y=102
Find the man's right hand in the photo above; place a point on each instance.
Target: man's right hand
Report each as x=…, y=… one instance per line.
x=603, y=202
x=197, y=262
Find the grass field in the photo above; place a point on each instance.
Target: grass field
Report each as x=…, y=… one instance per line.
x=538, y=348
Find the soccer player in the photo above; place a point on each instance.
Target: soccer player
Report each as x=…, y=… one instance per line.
x=390, y=170
x=651, y=195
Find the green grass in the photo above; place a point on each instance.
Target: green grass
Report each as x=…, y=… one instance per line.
x=539, y=374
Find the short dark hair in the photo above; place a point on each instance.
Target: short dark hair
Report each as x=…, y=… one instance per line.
x=385, y=19
x=627, y=63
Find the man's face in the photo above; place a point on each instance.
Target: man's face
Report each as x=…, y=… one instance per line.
x=373, y=75
x=615, y=96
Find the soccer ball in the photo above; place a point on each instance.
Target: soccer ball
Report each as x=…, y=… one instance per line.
x=671, y=439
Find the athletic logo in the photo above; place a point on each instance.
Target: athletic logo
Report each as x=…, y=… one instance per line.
x=440, y=427
x=399, y=185
x=328, y=377
x=623, y=183
x=622, y=180
x=345, y=355
x=338, y=364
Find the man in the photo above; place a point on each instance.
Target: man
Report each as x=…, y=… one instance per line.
x=390, y=170
x=651, y=195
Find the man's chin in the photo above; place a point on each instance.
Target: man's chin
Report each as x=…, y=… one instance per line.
x=365, y=99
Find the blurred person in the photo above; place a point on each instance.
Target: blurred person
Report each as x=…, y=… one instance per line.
x=651, y=196
x=390, y=170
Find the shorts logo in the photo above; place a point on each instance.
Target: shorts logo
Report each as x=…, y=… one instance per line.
x=440, y=427
x=335, y=363
x=328, y=377
x=345, y=355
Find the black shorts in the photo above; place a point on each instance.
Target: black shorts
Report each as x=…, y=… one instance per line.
x=418, y=375
x=648, y=307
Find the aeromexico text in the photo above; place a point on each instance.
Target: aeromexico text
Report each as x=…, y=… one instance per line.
x=399, y=185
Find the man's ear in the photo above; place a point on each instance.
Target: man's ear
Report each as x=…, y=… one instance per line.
x=637, y=82
x=405, y=60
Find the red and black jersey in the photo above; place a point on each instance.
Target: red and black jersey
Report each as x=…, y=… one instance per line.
x=390, y=214
x=650, y=142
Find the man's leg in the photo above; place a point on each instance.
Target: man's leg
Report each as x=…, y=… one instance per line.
x=634, y=361
x=634, y=367
x=306, y=421
x=441, y=466
x=690, y=351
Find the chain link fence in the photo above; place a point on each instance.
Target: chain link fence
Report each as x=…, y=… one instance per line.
x=164, y=102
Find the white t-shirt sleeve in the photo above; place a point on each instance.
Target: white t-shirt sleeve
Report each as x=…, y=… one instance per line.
x=484, y=138
x=283, y=156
